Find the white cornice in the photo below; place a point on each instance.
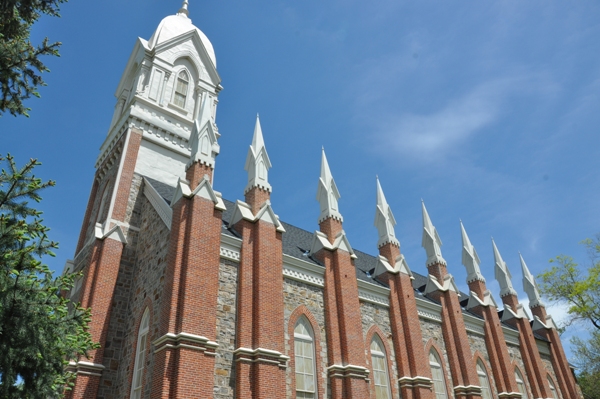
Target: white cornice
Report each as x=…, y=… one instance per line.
x=429, y=310
x=372, y=293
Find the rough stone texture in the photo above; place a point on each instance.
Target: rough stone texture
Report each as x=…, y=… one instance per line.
x=433, y=330
x=380, y=316
x=139, y=284
x=547, y=360
x=296, y=293
x=477, y=343
x=226, y=319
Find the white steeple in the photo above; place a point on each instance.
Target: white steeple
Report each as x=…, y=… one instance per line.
x=327, y=193
x=470, y=259
x=502, y=274
x=257, y=161
x=530, y=286
x=203, y=140
x=384, y=220
x=431, y=240
x=184, y=8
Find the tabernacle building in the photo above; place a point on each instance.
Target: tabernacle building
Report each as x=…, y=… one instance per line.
x=194, y=296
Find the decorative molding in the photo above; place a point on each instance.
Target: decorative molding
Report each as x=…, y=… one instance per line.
x=261, y=355
x=372, y=293
x=429, y=310
x=230, y=247
x=243, y=211
x=467, y=390
x=185, y=340
x=321, y=241
x=160, y=205
x=474, y=324
x=415, y=382
x=348, y=371
x=543, y=347
x=115, y=233
x=86, y=368
x=300, y=270
x=511, y=336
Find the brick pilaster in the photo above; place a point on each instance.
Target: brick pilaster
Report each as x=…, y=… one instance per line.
x=411, y=359
x=88, y=215
x=462, y=366
x=345, y=343
x=503, y=371
x=186, y=345
x=564, y=377
x=536, y=371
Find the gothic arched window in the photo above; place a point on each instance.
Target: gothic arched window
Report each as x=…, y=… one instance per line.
x=181, y=89
x=140, y=356
x=552, y=388
x=380, y=369
x=521, y=384
x=304, y=360
x=484, y=381
x=439, y=382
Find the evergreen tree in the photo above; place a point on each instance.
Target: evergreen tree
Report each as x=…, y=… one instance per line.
x=41, y=330
x=20, y=64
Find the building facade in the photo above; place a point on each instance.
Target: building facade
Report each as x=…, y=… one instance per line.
x=194, y=296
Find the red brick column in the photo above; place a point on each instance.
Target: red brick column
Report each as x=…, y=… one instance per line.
x=408, y=340
x=566, y=382
x=536, y=371
x=88, y=215
x=462, y=367
x=260, y=365
x=345, y=343
x=496, y=345
x=184, y=353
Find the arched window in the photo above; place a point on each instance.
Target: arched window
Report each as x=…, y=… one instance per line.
x=181, y=89
x=439, y=382
x=552, y=388
x=484, y=381
x=380, y=370
x=140, y=356
x=304, y=359
x=521, y=384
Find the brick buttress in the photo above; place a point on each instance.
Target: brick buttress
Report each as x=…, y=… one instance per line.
x=462, y=366
x=184, y=350
x=345, y=343
x=413, y=364
x=100, y=275
x=259, y=361
x=503, y=371
x=534, y=367
x=566, y=381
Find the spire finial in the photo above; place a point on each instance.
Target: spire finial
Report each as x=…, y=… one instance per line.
x=502, y=273
x=327, y=192
x=470, y=258
x=257, y=161
x=184, y=8
x=530, y=286
x=384, y=219
x=431, y=239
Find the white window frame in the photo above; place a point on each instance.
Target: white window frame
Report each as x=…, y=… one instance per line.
x=382, y=355
x=140, y=356
x=436, y=366
x=185, y=95
x=484, y=380
x=310, y=339
x=521, y=384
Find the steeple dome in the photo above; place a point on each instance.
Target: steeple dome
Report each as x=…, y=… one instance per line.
x=176, y=25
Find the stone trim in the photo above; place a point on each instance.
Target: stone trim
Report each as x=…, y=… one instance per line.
x=348, y=371
x=429, y=310
x=373, y=293
x=185, y=340
x=509, y=394
x=474, y=324
x=261, y=355
x=160, y=205
x=468, y=390
x=86, y=368
x=300, y=270
x=415, y=382
x=230, y=247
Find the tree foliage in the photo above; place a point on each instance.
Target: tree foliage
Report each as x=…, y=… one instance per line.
x=566, y=282
x=40, y=329
x=20, y=64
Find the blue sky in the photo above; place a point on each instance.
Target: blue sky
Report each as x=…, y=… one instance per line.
x=488, y=111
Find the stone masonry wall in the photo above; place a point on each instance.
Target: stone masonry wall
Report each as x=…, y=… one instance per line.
x=477, y=343
x=295, y=294
x=433, y=330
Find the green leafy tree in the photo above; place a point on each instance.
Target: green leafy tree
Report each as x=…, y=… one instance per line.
x=20, y=64
x=41, y=330
x=567, y=283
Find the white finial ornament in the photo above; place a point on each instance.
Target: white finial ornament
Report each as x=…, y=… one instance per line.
x=384, y=220
x=530, y=286
x=184, y=8
x=470, y=258
x=327, y=193
x=203, y=140
x=431, y=240
x=257, y=161
x=502, y=274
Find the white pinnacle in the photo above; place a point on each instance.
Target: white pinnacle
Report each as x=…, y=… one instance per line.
x=431, y=240
x=327, y=193
x=470, y=259
x=384, y=220
x=502, y=274
x=184, y=8
x=257, y=161
x=530, y=286
x=203, y=140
